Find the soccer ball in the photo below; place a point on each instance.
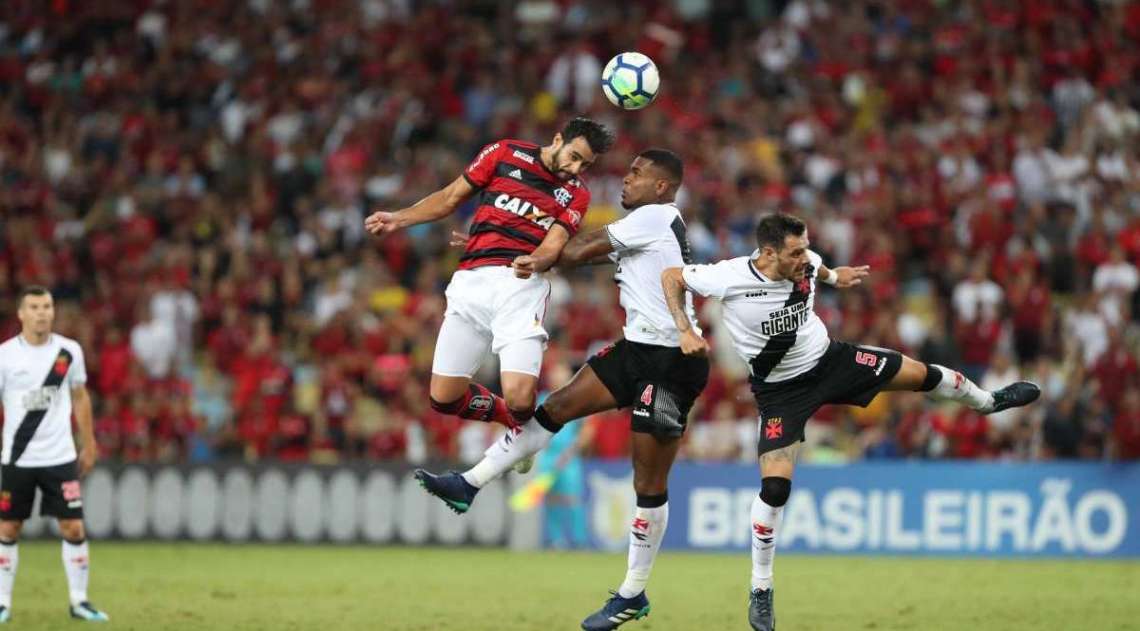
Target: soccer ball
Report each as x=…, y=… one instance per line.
x=630, y=81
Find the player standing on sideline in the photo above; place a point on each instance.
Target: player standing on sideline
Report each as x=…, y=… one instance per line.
x=796, y=368
x=41, y=375
x=646, y=370
x=530, y=202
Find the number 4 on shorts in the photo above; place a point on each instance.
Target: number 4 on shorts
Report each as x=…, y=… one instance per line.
x=647, y=395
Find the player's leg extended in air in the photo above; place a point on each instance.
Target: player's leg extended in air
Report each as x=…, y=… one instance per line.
x=582, y=396
x=778, y=464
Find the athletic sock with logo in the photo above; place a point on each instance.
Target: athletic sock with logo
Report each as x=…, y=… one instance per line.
x=645, y=534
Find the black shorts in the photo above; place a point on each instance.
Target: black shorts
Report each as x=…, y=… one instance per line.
x=660, y=382
x=59, y=484
x=846, y=375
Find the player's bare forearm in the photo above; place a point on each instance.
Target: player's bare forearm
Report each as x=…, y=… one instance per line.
x=674, y=286
x=81, y=403
x=431, y=208
x=437, y=205
x=586, y=248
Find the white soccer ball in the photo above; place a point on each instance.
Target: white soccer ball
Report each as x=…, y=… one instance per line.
x=630, y=81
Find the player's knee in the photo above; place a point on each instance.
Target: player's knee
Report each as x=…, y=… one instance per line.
x=775, y=490
x=10, y=530
x=650, y=483
x=72, y=530
x=446, y=407
x=519, y=397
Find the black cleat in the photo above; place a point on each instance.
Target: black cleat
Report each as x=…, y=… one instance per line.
x=450, y=487
x=616, y=612
x=761, y=614
x=1014, y=395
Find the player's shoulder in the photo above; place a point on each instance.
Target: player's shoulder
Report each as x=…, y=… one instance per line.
x=656, y=216
x=667, y=211
x=67, y=343
x=9, y=345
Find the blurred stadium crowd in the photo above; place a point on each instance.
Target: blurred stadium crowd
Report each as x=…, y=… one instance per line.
x=190, y=179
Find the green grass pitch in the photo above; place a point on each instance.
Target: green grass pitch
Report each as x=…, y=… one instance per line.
x=147, y=586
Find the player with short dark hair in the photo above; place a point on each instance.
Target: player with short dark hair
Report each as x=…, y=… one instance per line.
x=796, y=368
x=645, y=370
x=42, y=376
x=530, y=201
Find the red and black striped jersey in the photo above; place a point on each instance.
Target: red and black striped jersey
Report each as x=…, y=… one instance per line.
x=518, y=202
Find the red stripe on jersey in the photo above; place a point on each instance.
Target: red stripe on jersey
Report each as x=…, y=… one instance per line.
x=518, y=204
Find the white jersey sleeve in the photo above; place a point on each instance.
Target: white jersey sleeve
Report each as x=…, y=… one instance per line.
x=636, y=230
x=815, y=259
x=77, y=375
x=715, y=280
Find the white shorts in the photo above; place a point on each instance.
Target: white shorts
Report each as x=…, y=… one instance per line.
x=489, y=309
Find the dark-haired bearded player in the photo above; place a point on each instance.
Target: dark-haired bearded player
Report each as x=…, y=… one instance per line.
x=795, y=367
x=530, y=202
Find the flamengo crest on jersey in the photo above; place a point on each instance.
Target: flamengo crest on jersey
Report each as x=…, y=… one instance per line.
x=773, y=324
x=517, y=202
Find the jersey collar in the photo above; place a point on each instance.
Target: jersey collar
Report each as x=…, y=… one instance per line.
x=756, y=272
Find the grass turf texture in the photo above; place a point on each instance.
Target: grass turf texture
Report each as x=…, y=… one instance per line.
x=188, y=586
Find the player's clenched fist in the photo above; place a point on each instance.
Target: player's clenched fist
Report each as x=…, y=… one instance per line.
x=523, y=266
x=693, y=344
x=381, y=223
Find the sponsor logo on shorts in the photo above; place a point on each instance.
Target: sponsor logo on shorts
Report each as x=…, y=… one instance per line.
x=72, y=493
x=773, y=428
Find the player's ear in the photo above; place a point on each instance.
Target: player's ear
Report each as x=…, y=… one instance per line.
x=556, y=142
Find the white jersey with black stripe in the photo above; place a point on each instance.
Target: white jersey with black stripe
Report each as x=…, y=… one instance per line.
x=773, y=324
x=646, y=242
x=36, y=382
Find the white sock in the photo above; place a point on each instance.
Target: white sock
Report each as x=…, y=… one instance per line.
x=511, y=447
x=956, y=387
x=9, y=559
x=75, y=564
x=765, y=523
x=645, y=534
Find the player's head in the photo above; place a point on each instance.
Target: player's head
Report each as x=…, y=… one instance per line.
x=783, y=243
x=36, y=310
x=576, y=147
x=653, y=178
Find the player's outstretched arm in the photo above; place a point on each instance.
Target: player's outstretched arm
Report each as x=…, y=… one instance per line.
x=673, y=284
x=88, y=449
x=431, y=208
x=587, y=248
x=843, y=277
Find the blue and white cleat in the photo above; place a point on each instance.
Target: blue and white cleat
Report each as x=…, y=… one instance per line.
x=5, y=614
x=616, y=612
x=87, y=611
x=450, y=487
